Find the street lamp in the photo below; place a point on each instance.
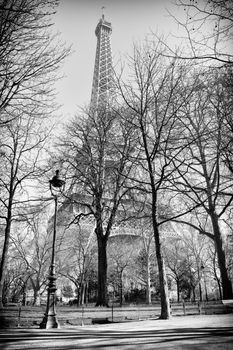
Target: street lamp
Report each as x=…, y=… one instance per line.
x=56, y=186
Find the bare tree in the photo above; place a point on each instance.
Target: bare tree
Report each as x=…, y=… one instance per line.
x=96, y=152
x=196, y=247
x=152, y=95
x=16, y=280
x=146, y=232
x=122, y=252
x=29, y=61
x=31, y=241
x=208, y=30
x=201, y=174
x=30, y=56
x=76, y=258
x=21, y=147
x=176, y=262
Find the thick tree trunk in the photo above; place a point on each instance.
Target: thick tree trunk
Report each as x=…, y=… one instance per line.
x=219, y=287
x=36, y=297
x=102, y=271
x=216, y=276
x=78, y=295
x=226, y=283
x=165, y=305
x=194, y=294
x=3, y=265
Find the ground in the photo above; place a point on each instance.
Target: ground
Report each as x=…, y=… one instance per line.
x=180, y=332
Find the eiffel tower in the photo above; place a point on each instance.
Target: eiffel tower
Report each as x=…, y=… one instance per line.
x=102, y=78
x=101, y=95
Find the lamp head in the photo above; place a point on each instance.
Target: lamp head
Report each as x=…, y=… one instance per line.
x=56, y=181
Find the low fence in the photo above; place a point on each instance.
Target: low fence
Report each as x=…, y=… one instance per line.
x=204, y=307
x=30, y=317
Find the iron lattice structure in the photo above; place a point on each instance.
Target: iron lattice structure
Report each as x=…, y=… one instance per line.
x=102, y=79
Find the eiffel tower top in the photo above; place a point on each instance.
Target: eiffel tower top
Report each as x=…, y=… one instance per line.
x=103, y=24
x=102, y=79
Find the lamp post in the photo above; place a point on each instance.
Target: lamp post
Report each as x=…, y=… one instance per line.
x=56, y=186
x=199, y=272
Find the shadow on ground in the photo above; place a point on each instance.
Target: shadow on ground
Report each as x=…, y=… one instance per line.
x=110, y=339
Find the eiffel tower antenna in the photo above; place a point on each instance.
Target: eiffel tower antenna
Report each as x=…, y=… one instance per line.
x=103, y=8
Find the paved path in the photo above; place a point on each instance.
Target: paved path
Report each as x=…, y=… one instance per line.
x=190, y=332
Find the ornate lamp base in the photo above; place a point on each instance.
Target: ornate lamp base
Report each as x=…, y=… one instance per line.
x=50, y=318
x=49, y=321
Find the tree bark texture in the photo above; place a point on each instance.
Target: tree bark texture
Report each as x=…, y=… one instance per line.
x=102, y=271
x=165, y=305
x=36, y=297
x=178, y=289
x=3, y=265
x=226, y=283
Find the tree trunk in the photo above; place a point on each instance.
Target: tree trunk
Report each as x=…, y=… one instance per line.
x=36, y=297
x=78, y=294
x=83, y=289
x=216, y=276
x=3, y=265
x=102, y=271
x=219, y=287
x=206, y=293
x=164, y=300
x=24, y=292
x=200, y=291
x=226, y=283
x=194, y=294
x=199, y=284
x=87, y=293
x=148, y=291
x=121, y=288
x=165, y=305
x=178, y=290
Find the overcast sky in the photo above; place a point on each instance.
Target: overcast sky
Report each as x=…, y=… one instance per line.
x=77, y=19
